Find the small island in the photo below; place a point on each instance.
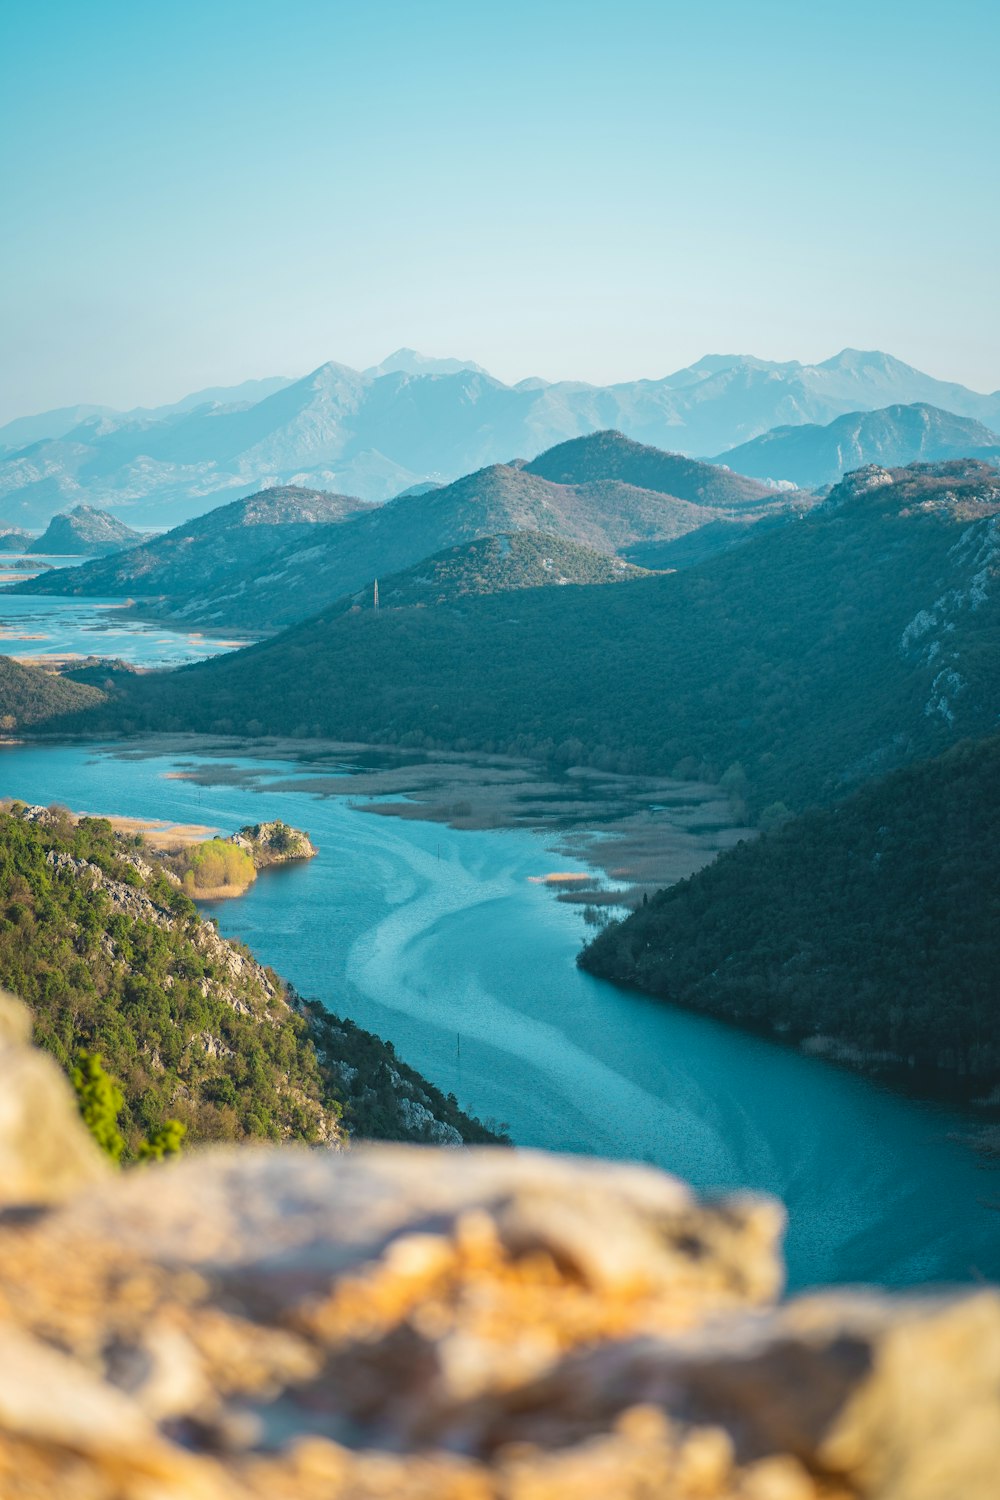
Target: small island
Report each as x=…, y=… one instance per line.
x=221, y=867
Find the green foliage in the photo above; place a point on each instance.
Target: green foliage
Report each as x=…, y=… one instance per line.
x=496, y=565
x=164, y=1141
x=29, y=696
x=875, y=922
x=214, y=864
x=133, y=997
x=101, y=1102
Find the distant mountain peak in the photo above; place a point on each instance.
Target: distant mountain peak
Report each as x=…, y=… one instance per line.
x=412, y=362
x=867, y=360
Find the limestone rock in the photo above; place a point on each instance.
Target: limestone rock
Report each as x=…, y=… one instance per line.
x=46, y=1152
x=432, y=1324
x=273, y=843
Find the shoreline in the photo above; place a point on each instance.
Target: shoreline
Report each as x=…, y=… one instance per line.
x=636, y=833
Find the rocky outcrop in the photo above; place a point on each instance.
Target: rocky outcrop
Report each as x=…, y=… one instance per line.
x=280, y=1324
x=273, y=843
x=84, y=530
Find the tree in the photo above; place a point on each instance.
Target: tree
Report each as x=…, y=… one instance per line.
x=166, y=1141
x=101, y=1102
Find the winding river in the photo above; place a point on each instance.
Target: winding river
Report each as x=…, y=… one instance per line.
x=440, y=940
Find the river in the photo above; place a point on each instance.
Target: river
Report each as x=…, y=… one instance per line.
x=440, y=940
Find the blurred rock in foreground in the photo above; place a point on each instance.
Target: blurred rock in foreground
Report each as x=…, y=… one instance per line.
x=424, y=1324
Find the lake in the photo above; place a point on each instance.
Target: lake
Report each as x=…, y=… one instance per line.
x=441, y=940
x=34, y=627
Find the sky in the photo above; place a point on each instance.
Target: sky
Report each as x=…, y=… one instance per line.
x=196, y=194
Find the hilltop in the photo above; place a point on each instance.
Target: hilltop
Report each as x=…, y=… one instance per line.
x=494, y=565
x=196, y=556
x=613, y=456
x=870, y=931
x=84, y=530
x=815, y=656
x=374, y=433
x=812, y=456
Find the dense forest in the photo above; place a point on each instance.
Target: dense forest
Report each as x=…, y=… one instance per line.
x=29, y=696
x=874, y=924
x=807, y=660
x=114, y=959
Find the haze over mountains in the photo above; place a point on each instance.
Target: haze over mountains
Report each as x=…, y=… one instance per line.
x=812, y=456
x=374, y=433
x=615, y=497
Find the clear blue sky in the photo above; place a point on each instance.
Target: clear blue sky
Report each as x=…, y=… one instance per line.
x=198, y=193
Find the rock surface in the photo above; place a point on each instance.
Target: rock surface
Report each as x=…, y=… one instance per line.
x=45, y=1154
x=273, y=843
x=280, y=1324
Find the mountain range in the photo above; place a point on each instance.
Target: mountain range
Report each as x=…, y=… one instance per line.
x=377, y=432
x=614, y=496
x=795, y=667
x=813, y=456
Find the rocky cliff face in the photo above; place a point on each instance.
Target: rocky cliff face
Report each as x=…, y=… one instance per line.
x=280, y=1324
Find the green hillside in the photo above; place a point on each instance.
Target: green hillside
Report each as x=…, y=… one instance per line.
x=194, y=556
x=611, y=455
x=871, y=928
x=495, y=565
x=113, y=958
x=28, y=696
x=815, y=656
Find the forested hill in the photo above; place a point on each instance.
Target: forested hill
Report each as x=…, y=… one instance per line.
x=196, y=555
x=831, y=648
x=113, y=958
x=870, y=929
x=29, y=695
x=311, y=567
x=611, y=455
x=495, y=565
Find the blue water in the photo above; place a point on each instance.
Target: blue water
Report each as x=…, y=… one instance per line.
x=35, y=625
x=438, y=940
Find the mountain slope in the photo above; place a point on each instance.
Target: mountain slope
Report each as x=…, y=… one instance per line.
x=87, y=531
x=812, y=456
x=311, y=569
x=112, y=957
x=375, y=434
x=29, y=696
x=613, y=456
x=494, y=565
x=196, y=555
x=871, y=928
x=816, y=655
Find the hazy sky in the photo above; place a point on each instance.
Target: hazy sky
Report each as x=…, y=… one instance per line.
x=195, y=192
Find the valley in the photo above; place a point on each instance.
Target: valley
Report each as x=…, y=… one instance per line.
x=546, y=714
x=440, y=939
